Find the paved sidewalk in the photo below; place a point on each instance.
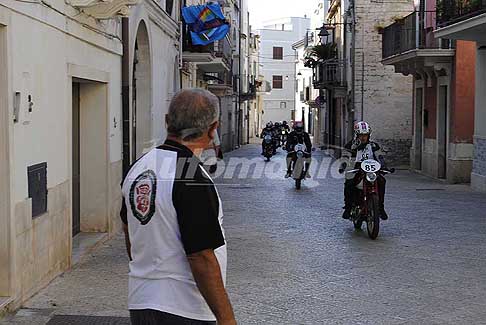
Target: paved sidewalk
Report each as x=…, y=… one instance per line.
x=293, y=260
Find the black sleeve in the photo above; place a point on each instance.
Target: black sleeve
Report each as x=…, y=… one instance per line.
x=123, y=212
x=375, y=146
x=197, y=206
x=349, y=145
x=290, y=141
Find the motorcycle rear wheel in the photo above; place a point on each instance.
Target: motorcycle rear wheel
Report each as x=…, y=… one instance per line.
x=373, y=221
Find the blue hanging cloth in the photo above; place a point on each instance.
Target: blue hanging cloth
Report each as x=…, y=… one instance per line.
x=207, y=23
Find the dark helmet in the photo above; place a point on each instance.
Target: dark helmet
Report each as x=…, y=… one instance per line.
x=299, y=127
x=284, y=123
x=269, y=124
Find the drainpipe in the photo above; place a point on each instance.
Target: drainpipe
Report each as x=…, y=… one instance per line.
x=353, y=60
x=126, y=94
x=240, y=84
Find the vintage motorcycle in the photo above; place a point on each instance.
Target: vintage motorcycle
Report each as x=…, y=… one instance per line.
x=298, y=164
x=367, y=204
x=268, y=150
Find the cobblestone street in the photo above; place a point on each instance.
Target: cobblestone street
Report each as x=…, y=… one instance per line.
x=294, y=260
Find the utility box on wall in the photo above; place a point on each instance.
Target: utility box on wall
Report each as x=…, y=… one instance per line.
x=37, y=186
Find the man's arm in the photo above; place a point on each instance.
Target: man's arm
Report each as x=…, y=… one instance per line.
x=206, y=271
x=127, y=241
x=124, y=218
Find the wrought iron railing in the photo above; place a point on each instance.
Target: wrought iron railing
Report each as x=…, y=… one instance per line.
x=328, y=74
x=453, y=11
x=409, y=33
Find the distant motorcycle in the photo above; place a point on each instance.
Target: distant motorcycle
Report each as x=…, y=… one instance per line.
x=283, y=138
x=298, y=165
x=268, y=146
x=367, y=206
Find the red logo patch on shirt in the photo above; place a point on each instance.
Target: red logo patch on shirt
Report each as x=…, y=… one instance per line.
x=142, y=196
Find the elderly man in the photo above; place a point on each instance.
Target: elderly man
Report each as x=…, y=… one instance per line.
x=173, y=224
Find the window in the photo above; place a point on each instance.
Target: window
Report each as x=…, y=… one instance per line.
x=278, y=53
x=283, y=105
x=277, y=82
x=169, y=6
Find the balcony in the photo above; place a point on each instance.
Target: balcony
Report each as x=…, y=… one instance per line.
x=220, y=83
x=329, y=74
x=103, y=10
x=408, y=44
x=452, y=11
x=211, y=58
x=462, y=19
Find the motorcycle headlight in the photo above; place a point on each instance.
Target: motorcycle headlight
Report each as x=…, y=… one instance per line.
x=300, y=154
x=371, y=177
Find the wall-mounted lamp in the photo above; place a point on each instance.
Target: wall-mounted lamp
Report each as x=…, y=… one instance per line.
x=16, y=106
x=31, y=103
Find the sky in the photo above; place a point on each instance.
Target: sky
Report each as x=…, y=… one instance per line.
x=262, y=10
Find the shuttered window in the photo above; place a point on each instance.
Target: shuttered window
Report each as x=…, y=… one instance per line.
x=278, y=53
x=277, y=82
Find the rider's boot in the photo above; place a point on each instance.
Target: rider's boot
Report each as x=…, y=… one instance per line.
x=383, y=214
x=288, y=174
x=347, y=213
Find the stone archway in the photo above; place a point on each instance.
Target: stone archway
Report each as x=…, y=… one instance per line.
x=142, y=93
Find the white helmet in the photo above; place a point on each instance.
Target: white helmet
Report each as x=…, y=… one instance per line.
x=362, y=128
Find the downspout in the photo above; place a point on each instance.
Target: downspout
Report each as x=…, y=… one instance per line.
x=126, y=94
x=240, y=84
x=181, y=42
x=353, y=61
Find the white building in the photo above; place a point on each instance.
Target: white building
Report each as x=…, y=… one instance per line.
x=306, y=109
x=278, y=65
x=69, y=127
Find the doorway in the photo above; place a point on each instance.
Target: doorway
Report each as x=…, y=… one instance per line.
x=89, y=157
x=419, y=106
x=76, y=212
x=141, y=94
x=442, y=117
x=4, y=171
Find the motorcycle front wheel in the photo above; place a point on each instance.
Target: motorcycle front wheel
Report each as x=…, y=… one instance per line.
x=358, y=224
x=373, y=221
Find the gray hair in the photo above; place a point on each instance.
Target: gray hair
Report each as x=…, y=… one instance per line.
x=191, y=113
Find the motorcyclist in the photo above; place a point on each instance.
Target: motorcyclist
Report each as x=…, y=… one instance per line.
x=285, y=126
x=268, y=130
x=285, y=130
x=298, y=136
x=362, y=148
x=277, y=132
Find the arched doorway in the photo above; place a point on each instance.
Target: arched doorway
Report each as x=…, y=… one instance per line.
x=141, y=93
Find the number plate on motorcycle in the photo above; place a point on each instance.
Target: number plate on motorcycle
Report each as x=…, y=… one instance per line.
x=299, y=147
x=370, y=166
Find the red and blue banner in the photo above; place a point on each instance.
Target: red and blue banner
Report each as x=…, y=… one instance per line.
x=207, y=23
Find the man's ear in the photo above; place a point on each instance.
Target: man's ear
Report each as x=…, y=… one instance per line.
x=212, y=129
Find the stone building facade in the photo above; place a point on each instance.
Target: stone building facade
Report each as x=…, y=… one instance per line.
x=358, y=86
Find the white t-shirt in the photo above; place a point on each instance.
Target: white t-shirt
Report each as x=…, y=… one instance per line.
x=168, y=220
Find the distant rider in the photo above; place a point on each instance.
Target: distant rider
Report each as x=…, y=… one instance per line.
x=268, y=130
x=298, y=136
